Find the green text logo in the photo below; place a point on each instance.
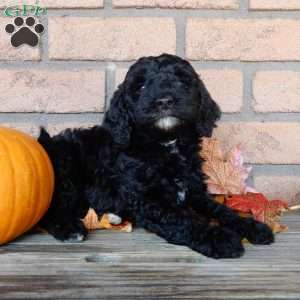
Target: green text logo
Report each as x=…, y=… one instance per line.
x=24, y=10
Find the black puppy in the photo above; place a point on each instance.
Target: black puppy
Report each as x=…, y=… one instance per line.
x=81, y=159
x=156, y=118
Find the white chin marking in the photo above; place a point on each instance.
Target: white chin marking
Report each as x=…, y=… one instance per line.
x=167, y=123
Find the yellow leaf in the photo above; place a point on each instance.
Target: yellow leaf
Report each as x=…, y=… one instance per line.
x=91, y=221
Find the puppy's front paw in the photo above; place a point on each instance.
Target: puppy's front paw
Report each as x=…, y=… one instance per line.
x=259, y=233
x=220, y=243
x=75, y=237
x=69, y=232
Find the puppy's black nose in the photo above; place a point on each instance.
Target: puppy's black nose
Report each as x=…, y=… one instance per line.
x=165, y=102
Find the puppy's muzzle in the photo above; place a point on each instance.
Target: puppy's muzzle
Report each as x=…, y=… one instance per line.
x=165, y=103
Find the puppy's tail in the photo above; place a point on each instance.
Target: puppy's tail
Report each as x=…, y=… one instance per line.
x=45, y=140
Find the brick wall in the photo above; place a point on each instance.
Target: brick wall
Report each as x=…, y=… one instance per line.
x=247, y=52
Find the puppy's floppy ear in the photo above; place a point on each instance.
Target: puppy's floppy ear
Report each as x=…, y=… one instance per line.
x=208, y=112
x=117, y=118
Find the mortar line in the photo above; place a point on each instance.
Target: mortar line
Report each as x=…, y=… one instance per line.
x=180, y=35
x=248, y=91
x=73, y=64
x=108, y=11
x=81, y=120
x=275, y=170
x=271, y=117
x=226, y=118
x=44, y=118
x=107, y=4
x=244, y=6
x=110, y=84
x=201, y=13
x=44, y=39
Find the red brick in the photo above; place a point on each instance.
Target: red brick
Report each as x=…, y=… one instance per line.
x=85, y=38
x=243, y=39
x=274, y=4
x=51, y=91
x=195, y=4
x=264, y=143
x=278, y=187
x=276, y=91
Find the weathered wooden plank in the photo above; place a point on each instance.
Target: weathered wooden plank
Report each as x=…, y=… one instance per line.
x=112, y=265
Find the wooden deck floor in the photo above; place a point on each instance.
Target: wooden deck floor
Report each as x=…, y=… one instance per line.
x=140, y=265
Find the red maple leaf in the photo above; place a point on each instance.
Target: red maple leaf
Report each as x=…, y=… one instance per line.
x=262, y=209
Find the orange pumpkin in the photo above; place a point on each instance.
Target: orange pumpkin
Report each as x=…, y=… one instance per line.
x=26, y=183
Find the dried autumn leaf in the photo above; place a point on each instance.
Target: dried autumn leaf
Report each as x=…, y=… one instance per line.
x=236, y=160
x=260, y=208
x=91, y=221
x=220, y=198
x=211, y=149
x=226, y=175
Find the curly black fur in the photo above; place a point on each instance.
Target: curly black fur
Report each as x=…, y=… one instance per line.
x=81, y=159
x=156, y=118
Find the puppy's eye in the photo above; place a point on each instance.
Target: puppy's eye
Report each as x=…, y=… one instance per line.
x=184, y=85
x=140, y=89
x=137, y=88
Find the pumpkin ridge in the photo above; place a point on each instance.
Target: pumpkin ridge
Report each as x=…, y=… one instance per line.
x=34, y=175
x=9, y=160
x=39, y=205
x=21, y=225
x=50, y=173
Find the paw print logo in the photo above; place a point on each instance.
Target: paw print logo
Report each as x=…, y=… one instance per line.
x=24, y=32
